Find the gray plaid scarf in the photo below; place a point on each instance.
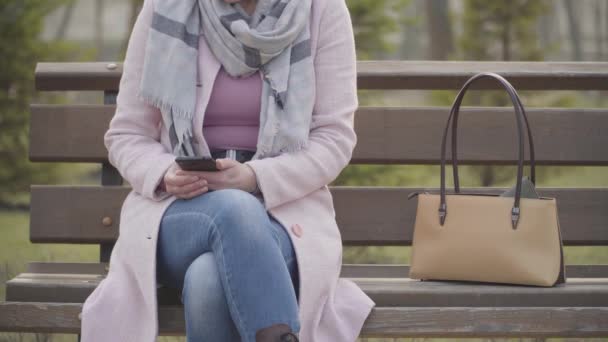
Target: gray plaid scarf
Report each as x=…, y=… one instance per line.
x=275, y=39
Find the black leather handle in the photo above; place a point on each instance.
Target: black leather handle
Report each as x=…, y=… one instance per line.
x=520, y=117
x=455, y=143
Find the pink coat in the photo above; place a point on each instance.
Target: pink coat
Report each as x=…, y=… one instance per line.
x=123, y=307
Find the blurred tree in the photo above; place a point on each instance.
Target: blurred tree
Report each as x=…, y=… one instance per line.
x=20, y=50
x=99, y=29
x=498, y=30
x=65, y=20
x=373, y=22
x=574, y=30
x=501, y=30
x=439, y=27
x=598, y=24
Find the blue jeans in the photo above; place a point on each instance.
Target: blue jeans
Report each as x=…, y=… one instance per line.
x=233, y=262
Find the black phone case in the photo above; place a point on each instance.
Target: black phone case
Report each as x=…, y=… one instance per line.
x=196, y=163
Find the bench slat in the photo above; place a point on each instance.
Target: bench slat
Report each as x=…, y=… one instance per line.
x=395, y=74
x=382, y=321
x=391, y=135
x=379, y=74
x=407, y=292
x=69, y=133
x=348, y=270
x=365, y=215
x=400, y=271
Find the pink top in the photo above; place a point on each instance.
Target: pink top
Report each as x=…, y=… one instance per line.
x=232, y=117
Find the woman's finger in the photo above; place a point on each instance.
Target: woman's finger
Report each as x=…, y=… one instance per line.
x=195, y=192
x=193, y=186
x=183, y=189
x=181, y=180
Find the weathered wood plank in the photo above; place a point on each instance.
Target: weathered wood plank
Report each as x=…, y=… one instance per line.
x=40, y=317
x=77, y=76
x=391, y=135
x=35, y=287
x=89, y=214
x=395, y=74
x=401, y=271
x=348, y=270
x=69, y=133
x=382, y=321
x=67, y=267
x=379, y=74
x=485, y=322
x=485, y=136
x=365, y=215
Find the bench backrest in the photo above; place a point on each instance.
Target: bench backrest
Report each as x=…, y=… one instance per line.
x=386, y=135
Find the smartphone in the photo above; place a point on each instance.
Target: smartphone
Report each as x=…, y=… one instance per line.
x=195, y=163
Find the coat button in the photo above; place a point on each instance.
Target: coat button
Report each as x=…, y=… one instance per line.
x=296, y=229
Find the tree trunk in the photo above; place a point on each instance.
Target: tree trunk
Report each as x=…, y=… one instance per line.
x=99, y=5
x=574, y=28
x=547, y=27
x=506, y=38
x=599, y=33
x=65, y=21
x=441, y=42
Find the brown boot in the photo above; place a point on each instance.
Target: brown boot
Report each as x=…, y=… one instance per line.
x=276, y=333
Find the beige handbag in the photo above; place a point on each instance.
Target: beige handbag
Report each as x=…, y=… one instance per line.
x=485, y=237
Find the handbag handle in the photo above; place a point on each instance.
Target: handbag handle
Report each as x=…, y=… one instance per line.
x=455, y=142
x=519, y=114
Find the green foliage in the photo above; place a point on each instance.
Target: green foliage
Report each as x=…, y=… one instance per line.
x=501, y=29
x=20, y=50
x=496, y=30
x=373, y=22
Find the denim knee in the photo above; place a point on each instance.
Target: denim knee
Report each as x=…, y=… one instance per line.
x=202, y=284
x=241, y=214
x=206, y=309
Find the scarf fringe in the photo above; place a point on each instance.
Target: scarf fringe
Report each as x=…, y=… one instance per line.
x=165, y=106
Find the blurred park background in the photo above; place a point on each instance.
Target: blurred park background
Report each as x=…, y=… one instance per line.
x=98, y=30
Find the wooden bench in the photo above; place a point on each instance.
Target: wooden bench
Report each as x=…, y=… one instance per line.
x=49, y=296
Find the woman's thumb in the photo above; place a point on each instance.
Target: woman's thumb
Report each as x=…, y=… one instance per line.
x=225, y=163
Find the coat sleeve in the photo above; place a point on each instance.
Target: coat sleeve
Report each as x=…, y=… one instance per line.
x=133, y=136
x=292, y=175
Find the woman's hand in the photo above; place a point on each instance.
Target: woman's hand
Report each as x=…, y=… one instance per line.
x=182, y=184
x=233, y=174
x=188, y=184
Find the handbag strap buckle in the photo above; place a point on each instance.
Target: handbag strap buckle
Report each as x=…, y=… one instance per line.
x=514, y=217
x=443, y=210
